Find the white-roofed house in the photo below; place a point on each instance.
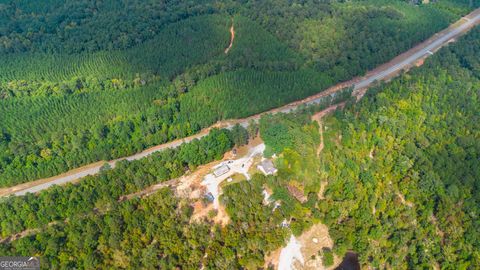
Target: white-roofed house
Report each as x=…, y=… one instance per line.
x=267, y=167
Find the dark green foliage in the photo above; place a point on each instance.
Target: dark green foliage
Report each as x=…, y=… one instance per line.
x=175, y=48
x=258, y=48
x=50, y=135
x=296, y=138
x=103, y=190
x=403, y=167
x=239, y=135
x=246, y=92
x=83, y=81
x=78, y=26
x=76, y=129
x=348, y=38
x=133, y=233
x=282, y=131
x=106, y=96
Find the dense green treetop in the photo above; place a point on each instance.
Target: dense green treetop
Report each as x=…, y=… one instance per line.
x=159, y=72
x=403, y=167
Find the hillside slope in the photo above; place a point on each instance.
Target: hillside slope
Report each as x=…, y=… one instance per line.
x=67, y=106
x=403, y=167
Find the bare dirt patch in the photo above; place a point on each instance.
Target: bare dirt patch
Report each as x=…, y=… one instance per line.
x=191, y=185
x=318, y=116
x=273, y=258
x=188, y=186
x=19, y=235
x=313, y=241
x=232, y=38
x=321, y=192
x=222, y=217
x=296, y=191
x=403, y=201
x=322, y=144
x=438, y=231
x=201, y=212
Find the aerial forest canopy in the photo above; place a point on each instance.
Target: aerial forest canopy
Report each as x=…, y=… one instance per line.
x=394, y=176
x=400, y=168
x=403, y=167
x=83, y=81
x=102, y=224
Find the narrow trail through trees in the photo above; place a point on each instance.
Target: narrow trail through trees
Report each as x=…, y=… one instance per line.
x=318, y=117
x=232, y=38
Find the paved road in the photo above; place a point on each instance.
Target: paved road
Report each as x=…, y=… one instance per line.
x=469, y=21
x=441, y=39
x=92, y=170
x=60, y=181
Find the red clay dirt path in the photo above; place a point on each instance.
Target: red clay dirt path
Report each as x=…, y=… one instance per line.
x=232, y=38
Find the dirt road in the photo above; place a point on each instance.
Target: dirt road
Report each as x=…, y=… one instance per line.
x=383, y=72
x=232, y=38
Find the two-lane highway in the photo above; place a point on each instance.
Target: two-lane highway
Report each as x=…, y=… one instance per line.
x=470, y=21
x=383, y=72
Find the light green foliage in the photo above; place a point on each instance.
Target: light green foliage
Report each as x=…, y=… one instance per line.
x=103, y=190
x=64, y=26
x=75, y=88
x=83, y=81
x=347, y=38
x=131, y=234
x=297, y=138
x=246, y=92
x=327, y=257
x=402, y=167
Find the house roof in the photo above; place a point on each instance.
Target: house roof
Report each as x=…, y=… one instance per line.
x=267, y=166
x=221, y=170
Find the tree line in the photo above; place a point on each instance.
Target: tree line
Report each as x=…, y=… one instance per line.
x=52, y=126
x=103, y=190
x=402, y=167
x=157, y=231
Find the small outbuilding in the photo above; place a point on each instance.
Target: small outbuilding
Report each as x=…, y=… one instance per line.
x=221, y=170
x=209, y=196
x=267, y=167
